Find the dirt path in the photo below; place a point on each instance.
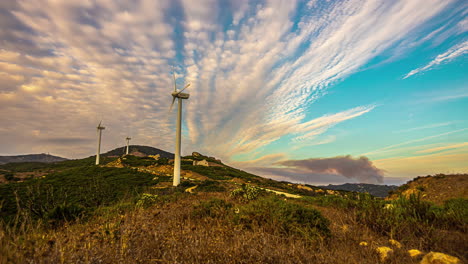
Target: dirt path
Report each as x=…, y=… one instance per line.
x=289, y=195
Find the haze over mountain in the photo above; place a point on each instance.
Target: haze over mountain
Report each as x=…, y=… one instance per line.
x=31, y=158
x=373, y=189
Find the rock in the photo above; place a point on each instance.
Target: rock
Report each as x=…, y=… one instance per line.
x=439, y=258
x=394, y=243
x=414, y=253
x=156, y=157
x=384, y=252
x=303, y=187
x=196, y=154
x=201, y=163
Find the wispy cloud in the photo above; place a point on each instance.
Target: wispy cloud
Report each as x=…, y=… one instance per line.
x=391, y=147
x=451, y=54
x=425, y=127
x=254, y=67
x=443, y=148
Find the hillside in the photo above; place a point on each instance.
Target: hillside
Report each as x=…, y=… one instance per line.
x=137, y=149
x=31, y=158
x=372, y=189
x=127, y=211
x=436, y=189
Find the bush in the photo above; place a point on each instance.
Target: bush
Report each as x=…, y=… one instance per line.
x=454, y=214
x=135, y=161
x=9, y=176
x=146, y=200
x=214, y=208
x=247, y=192
x=280, y=217
x=412, y=216
x=65, y=213
x=211, y=186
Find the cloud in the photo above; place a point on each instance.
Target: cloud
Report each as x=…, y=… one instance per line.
x=443, y=148
x=451, y=54
x=255, y=67
x=426, y=127
x=360, y=168
x=394, y=146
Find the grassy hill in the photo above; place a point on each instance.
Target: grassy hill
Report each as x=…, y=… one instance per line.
x=146, y=150
x=126, y=211
x=436, y=189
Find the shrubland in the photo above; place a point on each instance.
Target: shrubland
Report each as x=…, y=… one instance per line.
x=90, y=214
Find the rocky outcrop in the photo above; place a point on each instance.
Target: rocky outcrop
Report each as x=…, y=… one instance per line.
x=201, y=163
x=439, y=258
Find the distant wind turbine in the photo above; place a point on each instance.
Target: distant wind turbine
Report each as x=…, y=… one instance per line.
x=180, y=96
x=99, y=130
x=128, y=140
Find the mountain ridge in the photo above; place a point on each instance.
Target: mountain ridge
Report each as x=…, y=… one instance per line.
x=373, y=189
x=44, y=158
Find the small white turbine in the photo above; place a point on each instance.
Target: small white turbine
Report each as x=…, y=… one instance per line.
x=180, y=96
x=99, y=130
x=128, y=141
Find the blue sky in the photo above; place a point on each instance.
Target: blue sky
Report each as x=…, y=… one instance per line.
x=306, y=91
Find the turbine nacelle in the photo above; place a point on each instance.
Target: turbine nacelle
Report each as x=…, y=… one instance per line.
x=180, y=95
x=100, y=127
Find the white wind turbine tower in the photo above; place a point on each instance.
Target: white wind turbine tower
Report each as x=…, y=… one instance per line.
x=99, y=130
x=128, y=141
x=180, y=96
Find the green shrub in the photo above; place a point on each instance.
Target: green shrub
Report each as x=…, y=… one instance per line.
x=454, y=214
x=412, y=216
x=135, y=161
x=211, y=186
x=214, y=208
x=247, y=192
x=65, y=212
x=281, y=217
x=9, y=176
x=146, y=200
x=89, y=187
x=336, y=200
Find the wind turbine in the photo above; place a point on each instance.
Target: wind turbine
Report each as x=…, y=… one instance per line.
x=180, y=96
x=128, y=140
x=99, y=130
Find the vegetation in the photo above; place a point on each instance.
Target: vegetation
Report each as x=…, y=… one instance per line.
x=64, y=192
x=81, y=213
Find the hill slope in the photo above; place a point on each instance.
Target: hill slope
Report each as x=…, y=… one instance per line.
x=31, y=158
x=436, y=189
x=127, y=210
x=145, y=150
x=373, y=189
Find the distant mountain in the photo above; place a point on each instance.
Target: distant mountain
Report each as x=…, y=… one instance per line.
x=373, y=189
x=138, y=150
x=46, y=158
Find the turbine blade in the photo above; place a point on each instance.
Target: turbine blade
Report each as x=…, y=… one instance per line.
x=173, y=100
x=186, y=86
x=173, y=76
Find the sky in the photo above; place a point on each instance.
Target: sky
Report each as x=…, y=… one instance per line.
x=315, y=92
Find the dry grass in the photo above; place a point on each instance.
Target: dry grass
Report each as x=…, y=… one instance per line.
x=168, y=232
